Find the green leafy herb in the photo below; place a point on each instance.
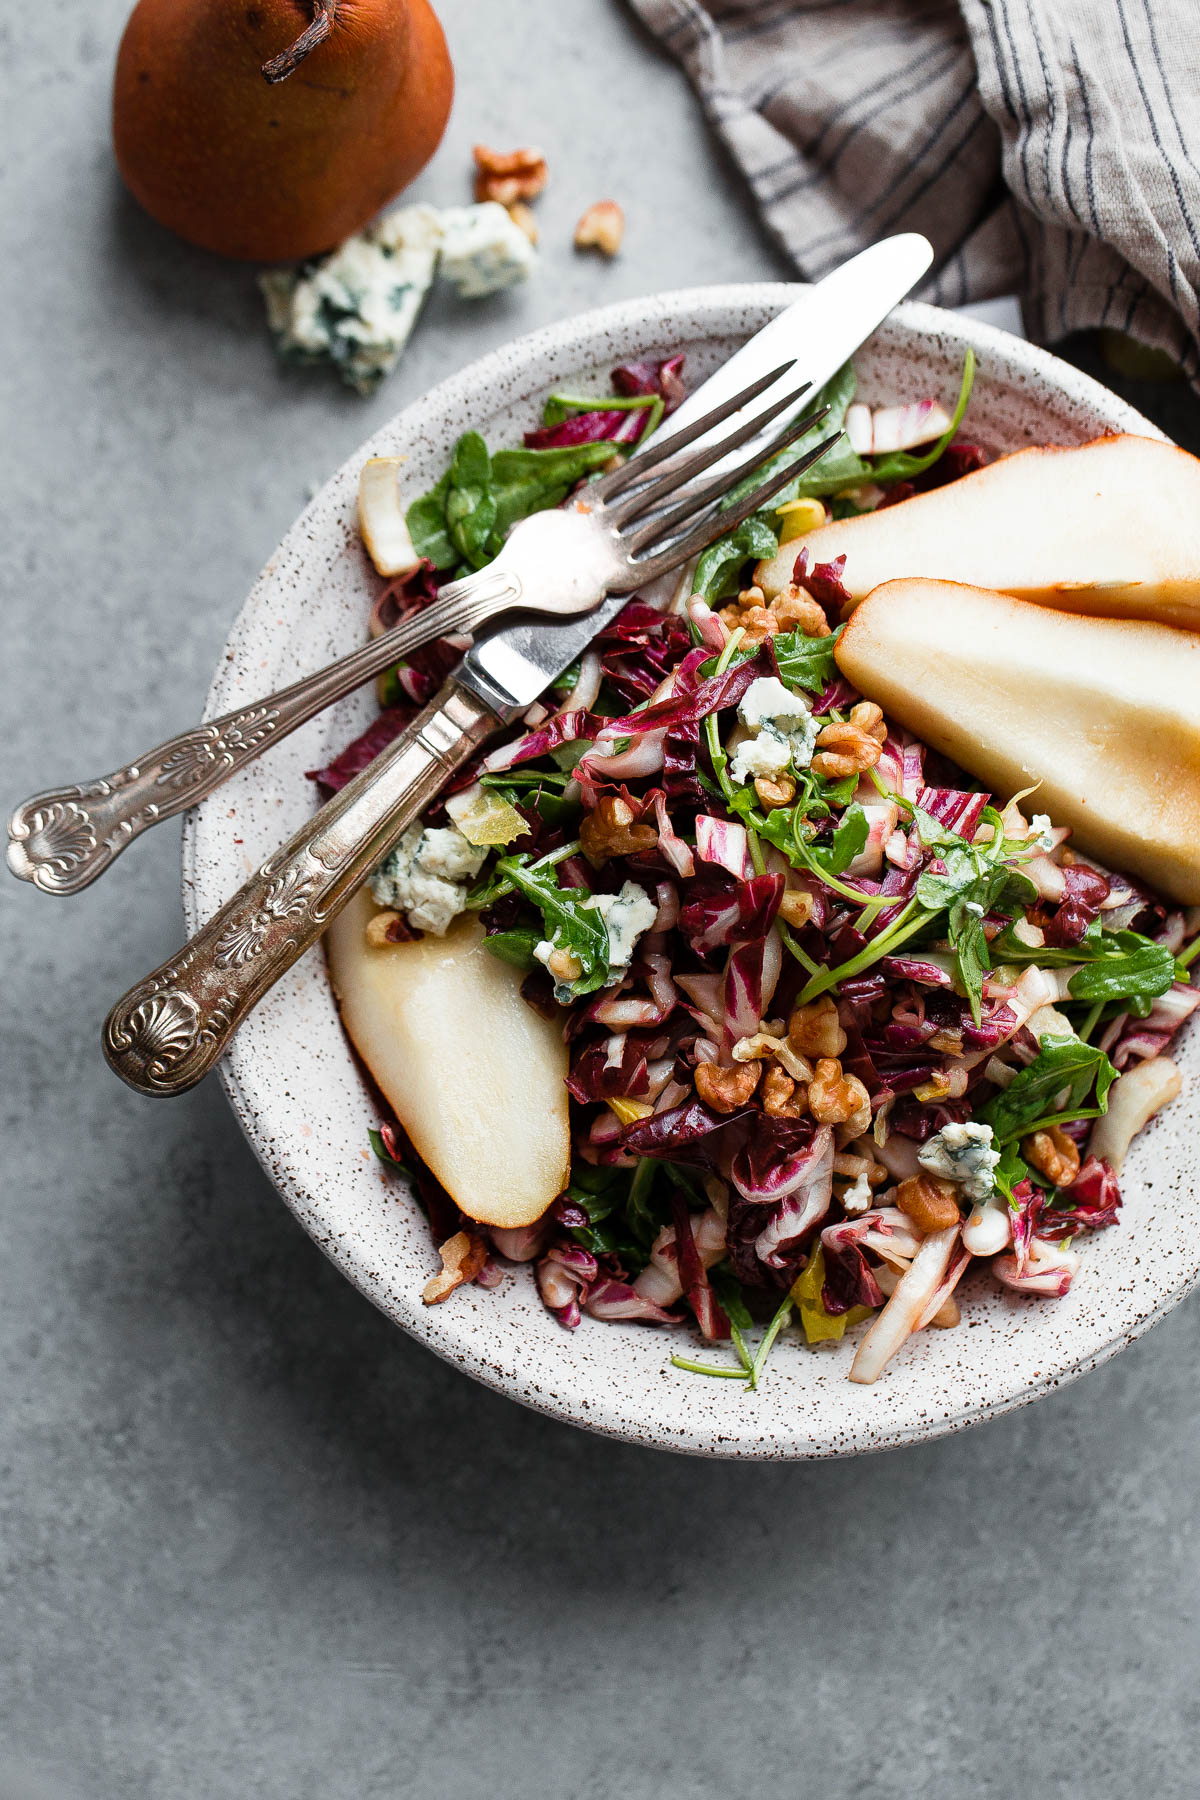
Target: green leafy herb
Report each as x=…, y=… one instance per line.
x=838, y=468
x=385, y=1156
x=806, y=662
x=560, y=406
x=1009, y=1172
x=1053, y=1090
x=848, y=841
x=465, y=518
x=426, y=520
x=571, y=922
x=1137, y=970
x=902, y=465
x=719, y=569
x=515, y=947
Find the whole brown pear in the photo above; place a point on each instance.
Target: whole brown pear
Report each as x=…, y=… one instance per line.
x=273, y=129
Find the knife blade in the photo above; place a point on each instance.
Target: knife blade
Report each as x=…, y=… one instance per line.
x=515, y=662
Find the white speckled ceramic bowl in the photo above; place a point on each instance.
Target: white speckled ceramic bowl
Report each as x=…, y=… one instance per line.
x=295, y=1086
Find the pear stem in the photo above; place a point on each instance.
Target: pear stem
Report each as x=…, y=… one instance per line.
x=283, y=65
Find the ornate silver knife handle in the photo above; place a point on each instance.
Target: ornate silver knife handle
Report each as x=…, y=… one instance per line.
x=63, y=839
x=169, y=1030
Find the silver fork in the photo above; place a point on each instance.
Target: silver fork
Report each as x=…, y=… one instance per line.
x=168, y=1030
x=552, y=564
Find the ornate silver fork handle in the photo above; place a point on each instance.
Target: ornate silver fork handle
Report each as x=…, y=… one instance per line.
x=168, y=1031
x=63, y=839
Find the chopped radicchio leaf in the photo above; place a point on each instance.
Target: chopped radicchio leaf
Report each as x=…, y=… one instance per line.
x=363, y=750
x=1086, y=891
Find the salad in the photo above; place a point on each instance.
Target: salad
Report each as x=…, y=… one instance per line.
x=842, y=1027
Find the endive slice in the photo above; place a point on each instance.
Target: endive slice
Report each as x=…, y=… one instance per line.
x=381, y=517
x=475, y=1077
x=1104, y=714
x=1110, y=528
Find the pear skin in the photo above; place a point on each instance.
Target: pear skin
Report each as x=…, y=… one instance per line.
x=1110, y=528
x=474, y=1075
x=1103, y=713
x=276, y=172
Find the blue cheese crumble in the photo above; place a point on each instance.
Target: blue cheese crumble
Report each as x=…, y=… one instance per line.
x=964, y=1154
x=357, y=307
x=483, y=252
x=427, y=877
x=782, y=731
x=626, y=916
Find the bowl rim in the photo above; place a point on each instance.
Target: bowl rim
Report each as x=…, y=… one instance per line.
x=435, y=1327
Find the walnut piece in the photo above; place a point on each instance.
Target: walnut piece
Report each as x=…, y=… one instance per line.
x=854, y=747
x=509, y=175
x=815, y=1030
x=930, y=1202
x=1053, y=1154
x=835, y=1098
x=798, y=611
x=781, y=1097
x=463, y=1256
x=773, y=791
x=602, y=228
x=610, y=829
x=522, y=217
x=725, y=1090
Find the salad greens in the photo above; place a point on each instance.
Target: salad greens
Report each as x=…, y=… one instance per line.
x=708, y=1179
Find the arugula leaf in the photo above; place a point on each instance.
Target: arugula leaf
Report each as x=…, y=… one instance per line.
x=1009, y=1172
x=838, y=468
x=717, y=572
x=529, y=481
x=968, y=886
x=1119, y=965
x=848, y=841
x=468, y=514
x=806, y=662
x=515, y=947
x=470, y=502
x=385, y=1156
x=902, y=465
x=1052, y=1090
x=1140, y=971
x=426, y=521
x=571, y=922
x=603, y=1193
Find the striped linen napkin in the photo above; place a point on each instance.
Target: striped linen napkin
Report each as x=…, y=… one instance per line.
x=1047, y=148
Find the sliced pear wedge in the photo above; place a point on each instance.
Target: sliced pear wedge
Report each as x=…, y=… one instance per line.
x=381, y=517
x=1110, y=528
x=1103, y=713
x=475, y=1077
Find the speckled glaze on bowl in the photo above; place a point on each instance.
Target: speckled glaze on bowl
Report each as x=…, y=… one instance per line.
x=296, y=1089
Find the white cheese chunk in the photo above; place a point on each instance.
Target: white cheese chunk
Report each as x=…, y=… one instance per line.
x=626, y=916
x=357, y=306
x=483, y=252
x=783, y=732
x=427, y=877
x=962, y=1153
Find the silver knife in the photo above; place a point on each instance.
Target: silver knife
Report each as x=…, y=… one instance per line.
x=169, y=1029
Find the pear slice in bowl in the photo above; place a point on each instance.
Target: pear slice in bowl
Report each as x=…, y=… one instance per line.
x=1104, y=714
x=475, y=1076
x=1110, y=528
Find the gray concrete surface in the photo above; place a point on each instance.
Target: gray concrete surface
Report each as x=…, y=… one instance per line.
x=253, y=1542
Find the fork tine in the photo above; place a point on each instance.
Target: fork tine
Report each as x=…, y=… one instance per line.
x=691, y=504
x=637, y=468
x=675, y=475
x=719, y=523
